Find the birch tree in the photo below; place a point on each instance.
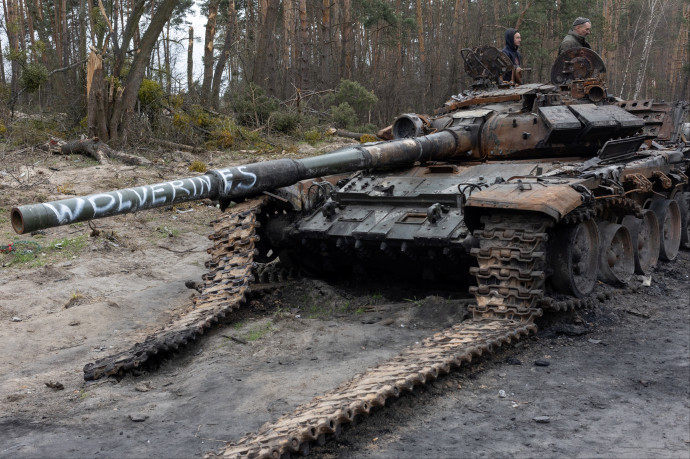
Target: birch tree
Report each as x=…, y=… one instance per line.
x=655, y=11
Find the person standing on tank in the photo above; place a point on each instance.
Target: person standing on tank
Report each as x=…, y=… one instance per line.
x=513, y=40
x=576, y=37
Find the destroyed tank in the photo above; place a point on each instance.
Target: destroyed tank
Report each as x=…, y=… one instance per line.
x=533, y=192
x=529, y=188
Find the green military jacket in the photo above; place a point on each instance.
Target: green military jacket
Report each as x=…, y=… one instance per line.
x=572, y=40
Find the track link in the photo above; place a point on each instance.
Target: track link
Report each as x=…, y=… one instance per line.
x=223, y=290
x=415, y=366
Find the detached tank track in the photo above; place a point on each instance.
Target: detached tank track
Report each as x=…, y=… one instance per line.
x=415, y=366
x=566, y=304
x=223, y=290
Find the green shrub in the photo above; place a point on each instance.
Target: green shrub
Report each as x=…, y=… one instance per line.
x=224, y=139
x=33, y=76
x=285, y=121
x=344, y=116
x=198, y=166
x=358, y=99
x=202, y=118
x=252, y=106
x=151, y=95
x=313, y=136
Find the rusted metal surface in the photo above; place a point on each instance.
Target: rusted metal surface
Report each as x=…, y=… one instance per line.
x=302, y=195
x=577, y=64
x=483, y=99
x=552, y=197
x=666, y=182
x=657, y=117
x=590, y=88
x=639, y=181
x=485, y=64
x=471, y=98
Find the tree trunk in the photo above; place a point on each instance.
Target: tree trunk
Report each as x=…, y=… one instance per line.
x=303, y=80
x=20, y=21
x=95, y=97
x=399, y=45
x=208, y=52
x=647, y=44
x=420, y=33
x=458, y=45
x=223, y=58
x=2, y=67
x=288, y=36
x=30, y=24
x=82, y=30
x=190, y=61
x=57, y=33
x=91, y=25
x=346, y=60
x=265, y=73
x=521, y=17
x=65, y=34
x=628, y=61
x=100, y=151
x=325, y=42
x=125, y=98
x=422, y=53
x=680, y=55
x=12, y=26
x=498, y=34
x=127, y=34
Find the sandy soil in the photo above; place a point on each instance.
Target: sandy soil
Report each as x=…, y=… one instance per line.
x=617, y=383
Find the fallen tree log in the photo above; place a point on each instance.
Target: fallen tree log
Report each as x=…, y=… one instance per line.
x=88, y=147
x=98, y=150
x=346, y=134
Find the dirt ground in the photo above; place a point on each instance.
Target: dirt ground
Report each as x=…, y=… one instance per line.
x=617, y=382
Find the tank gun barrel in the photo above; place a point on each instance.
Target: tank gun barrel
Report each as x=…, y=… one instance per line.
x=240, y=181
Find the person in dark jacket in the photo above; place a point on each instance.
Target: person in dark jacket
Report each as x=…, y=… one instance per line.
x=513, y=40
x=576, y=37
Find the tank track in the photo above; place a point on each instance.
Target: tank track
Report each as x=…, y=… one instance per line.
x=511, y=258
x=224, y=289
x=415, y=366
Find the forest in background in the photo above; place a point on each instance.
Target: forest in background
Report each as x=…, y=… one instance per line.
x=291, y=65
